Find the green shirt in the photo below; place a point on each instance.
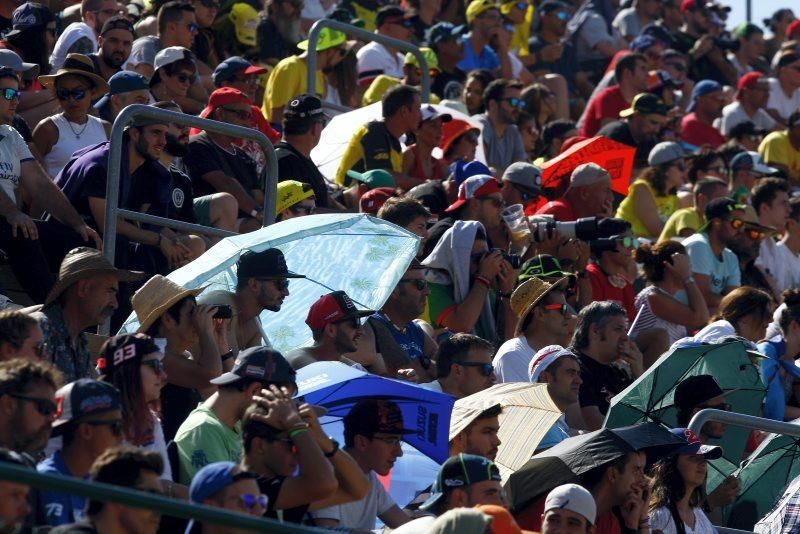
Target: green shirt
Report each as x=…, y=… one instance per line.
x=203, y=439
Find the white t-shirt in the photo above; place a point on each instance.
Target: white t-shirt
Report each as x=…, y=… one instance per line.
x=360, y=514
x=159, y=445
x=661, y=519
x=780, y=102
x=374, y=59
x=627, y=22
x=788, y=275
x=432, y=386
x=734, y=114
x=768, y=258
x=512, y=361
x=421, y=524
x=13, y=151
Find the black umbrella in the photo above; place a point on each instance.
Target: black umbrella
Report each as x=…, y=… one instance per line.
x=575, y=456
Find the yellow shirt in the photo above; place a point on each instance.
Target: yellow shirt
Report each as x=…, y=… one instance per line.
x=521, y=35
x=776, y=148
x=383, y=83
x=666, y=206
x=286, y=81
x=371, y=147
x=684, y=218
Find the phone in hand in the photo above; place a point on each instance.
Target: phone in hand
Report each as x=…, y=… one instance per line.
x=223, y=312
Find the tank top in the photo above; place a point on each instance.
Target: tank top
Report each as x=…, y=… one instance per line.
x=666, y=206
x=72, y=137
x=648, y=320
x=419, y=172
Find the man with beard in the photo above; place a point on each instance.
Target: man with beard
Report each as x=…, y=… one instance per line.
x=639, y=125
x=696, y=38
x=15, y=502
x=278, y=33
x=697, y=128
x=335, y=325
x=394, y=338
x=125, y=88
x=560, y=370
x=501, y=138
x=143, y=186
x=463, y=366
x=115, y=42
x=82, y=37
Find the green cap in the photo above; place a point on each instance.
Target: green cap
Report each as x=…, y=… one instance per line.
x=745, y=30
x=374, y=178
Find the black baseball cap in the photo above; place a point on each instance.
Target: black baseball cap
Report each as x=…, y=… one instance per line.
x=696, y=390
x=719, y=208
x=118, y=22
x=460, y=471
x=268, y=263
x=390, y=13
x=84, y=397
x=646, y=103
x=304, y=108
x=260, y=363
x=442, y=31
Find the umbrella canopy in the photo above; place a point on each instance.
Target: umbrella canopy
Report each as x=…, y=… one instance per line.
x=336, y=135
x=528, y=413
x=613, y=156
x=580, y=454
x=338, y=387
x=763, y=477
x=651, y=396
x=361, y=255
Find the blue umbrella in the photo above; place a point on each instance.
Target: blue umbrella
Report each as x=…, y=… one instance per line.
x=338, y=387
x=361, y=255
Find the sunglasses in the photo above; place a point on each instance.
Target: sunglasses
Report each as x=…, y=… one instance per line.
x=193, y=27
x=250, y=501
x=244, y=115
x=563, y=308
x=308, y=210
x=419, y=284
x=405, y=23
x=629, y=242
x=11, y=94
x=486, y=369
x=736, y=224
x=45, y=407
x=393, y=442
x=156, y=365
x=114, y=426
x=431, y=72
x=515, y=102
x=66, y=94
x=755, y=235
x=184, y=78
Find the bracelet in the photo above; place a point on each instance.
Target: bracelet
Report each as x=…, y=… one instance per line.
x=254, y=213
x=227, y=356
x=689, y=280
x=483, y=280
x=297, y=431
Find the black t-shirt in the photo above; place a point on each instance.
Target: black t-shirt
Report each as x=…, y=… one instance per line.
x=701, y=68
x=600, y=383
x=181, y=197
x=206, y=156
x=559, y=66
x=271, y=488
x=292, y=165
x=620, y=131
x=441, y=80
x=271, y=44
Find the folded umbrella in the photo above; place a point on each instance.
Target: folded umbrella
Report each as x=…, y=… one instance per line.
x=615, y=157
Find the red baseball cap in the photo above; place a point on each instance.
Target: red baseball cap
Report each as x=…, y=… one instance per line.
x=792, y=28
x=481, y=185
x=333, y=308
x=372, y=200
x=686, y=5
x=750, y=80
x=227, y=95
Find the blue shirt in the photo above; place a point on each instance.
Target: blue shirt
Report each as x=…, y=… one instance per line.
x=770, y=367
x=411, y=340
x=486, y=60
x=61, y=508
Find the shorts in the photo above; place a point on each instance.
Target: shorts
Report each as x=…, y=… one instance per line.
x=202, y=210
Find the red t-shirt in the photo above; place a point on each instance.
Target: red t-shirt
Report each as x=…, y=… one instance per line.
x=606, y=105
x=603, y=289
x=560, y=209
x=607, y=523
x=699, y=133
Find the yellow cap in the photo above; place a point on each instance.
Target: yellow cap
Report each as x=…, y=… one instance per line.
x=328, y=38
x=290, y=192
x=430, y=58
x=476, y=7
x=245, y=20
x=507, y=5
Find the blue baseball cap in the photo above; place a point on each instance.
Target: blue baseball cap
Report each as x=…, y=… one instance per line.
x=226, y=70
x=462, y=170
x=642, y=43
x=703, y=87
x=124, y=81
x=214, y=478
x=694, y=446
x=29, y=15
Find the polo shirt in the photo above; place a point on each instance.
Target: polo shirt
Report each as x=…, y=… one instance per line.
x=61, y=508
x=375, y=59
x=606, y=105
x=699, y=133
x=13, y=151
x=487, y=59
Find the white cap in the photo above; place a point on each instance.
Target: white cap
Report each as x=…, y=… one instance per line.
x=172, y=54
x=574, y=498
x=429, y=113
x=544, y=358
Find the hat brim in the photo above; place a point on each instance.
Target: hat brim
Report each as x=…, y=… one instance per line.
x=760, y=227
x=289, y=274
x=48, y=81
x=155, y=313
x=558, y=284
x=627, y=112
x=355, y=175
x=63, y=283
x=764, y=169
x=255, y=69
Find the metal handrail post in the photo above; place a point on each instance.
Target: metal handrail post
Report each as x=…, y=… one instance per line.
x=738, y=419
x=361, y=33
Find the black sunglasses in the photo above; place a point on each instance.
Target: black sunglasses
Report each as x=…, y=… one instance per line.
x=280, y=284
x=45, y=407
x=156, y=365
x=354, y=322
x=486, y=369
x=115, y=426
x=75, y=94
x=418, y=283
x=297, y=208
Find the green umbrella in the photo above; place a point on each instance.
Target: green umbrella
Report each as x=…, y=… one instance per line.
x=651, y=396
x=763, y=477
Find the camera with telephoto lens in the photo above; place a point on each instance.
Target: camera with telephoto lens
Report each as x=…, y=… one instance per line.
x=515, y=260
x=585, y=228
x=727, y=44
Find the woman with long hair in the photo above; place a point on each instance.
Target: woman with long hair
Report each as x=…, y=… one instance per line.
x=540, y=102
x=553, y=136
x=133, y=363
x=472, y=96
x=57, y=137
x=744, y=312
x=678, y=488
x=652, y=197
x=662, y=319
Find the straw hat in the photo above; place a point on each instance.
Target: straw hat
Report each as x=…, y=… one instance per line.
x=79, y=65
x=81, y=263
x=155, y=297
x=530, y=293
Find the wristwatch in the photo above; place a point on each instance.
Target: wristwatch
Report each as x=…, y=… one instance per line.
x=334, y=450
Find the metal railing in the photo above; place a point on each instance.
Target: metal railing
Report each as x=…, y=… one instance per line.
x=747, y=421
x=139, y=499
x=313, y=37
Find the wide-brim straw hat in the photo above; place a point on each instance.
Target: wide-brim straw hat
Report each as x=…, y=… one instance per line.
x=156, y=296
x=78, y=65
x=84, y=262
x=530, y=293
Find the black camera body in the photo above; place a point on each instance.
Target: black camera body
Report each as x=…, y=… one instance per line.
x=223, y=312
